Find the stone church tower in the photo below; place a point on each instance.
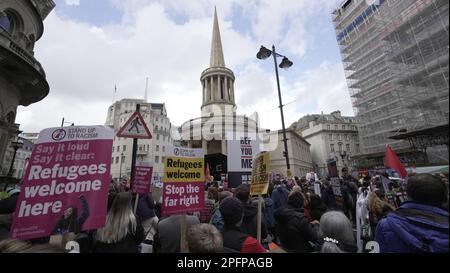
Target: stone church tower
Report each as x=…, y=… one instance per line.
x=217, y=80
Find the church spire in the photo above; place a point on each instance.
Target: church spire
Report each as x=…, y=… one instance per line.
x=217, y=59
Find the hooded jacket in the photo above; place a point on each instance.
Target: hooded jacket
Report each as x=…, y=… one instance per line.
x=250, y=221
x=280, y=196
x=413, y=228
x=268, y=212
x=236, y=240
x=146, y=207
x=294, y=229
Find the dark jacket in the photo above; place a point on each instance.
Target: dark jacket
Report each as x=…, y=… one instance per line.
x=129, y=244
x=250, y=221
x=294, y=230
x=146, y=207
x=413, y=228
x=318, y=208
x=328, y=198
x=268, y=212
x=237, y=240
x=280, y=196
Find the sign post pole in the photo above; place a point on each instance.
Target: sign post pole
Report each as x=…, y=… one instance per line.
x=183, y=237
x=133, y=157
x=259, y=219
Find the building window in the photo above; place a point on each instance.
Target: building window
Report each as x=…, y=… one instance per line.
x=113, y=149
x=123, y=159
x=157, y=148
x=357, y=148
x=347, y=147
x=117, y=160
x=156, y=127
x=156, y=159
x=331, y=136
x=112, y=160
x=148, y=147
x=124, y=148
x=340, y=147
x=339, y=137
x=346, y=137
x=164, y=149
x=332, y=148
x=118, y=148
x=157, y=136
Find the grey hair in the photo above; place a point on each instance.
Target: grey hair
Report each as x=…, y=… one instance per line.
x=204, y=238
x=335, y=225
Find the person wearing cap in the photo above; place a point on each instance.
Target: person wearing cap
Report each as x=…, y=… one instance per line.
x=232, y=212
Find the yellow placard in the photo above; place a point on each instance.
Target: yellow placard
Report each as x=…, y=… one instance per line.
x=181, y=169
x=260, y=174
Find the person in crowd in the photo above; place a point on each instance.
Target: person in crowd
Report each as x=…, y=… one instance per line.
x=337, y=233
x=250, y=221
x=232, y=212
x=306, y=206
x=168, y=235
x=363, y=231
x=211, y=200
x=318, y=208
x=268, y=211
x=113, y=190
x=294, y=230
x=418, y=225
x=351, y=188
x=123, y=232
x=279, y=195
x=379, y=207
x=16, y=246
x=204, y=238
x=145, y=211
x=7, y=208
x=70, y=221
x=216, y=219
x=327, y=195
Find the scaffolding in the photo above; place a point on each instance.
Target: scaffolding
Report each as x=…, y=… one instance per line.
x=395, y=57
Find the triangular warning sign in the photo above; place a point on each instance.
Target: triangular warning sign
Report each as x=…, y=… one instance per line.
x=135, y=127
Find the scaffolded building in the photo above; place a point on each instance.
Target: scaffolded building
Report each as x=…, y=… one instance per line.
x=395, y=56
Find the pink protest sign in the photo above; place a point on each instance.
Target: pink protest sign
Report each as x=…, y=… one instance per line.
x=142, y=179
x=183, y=181
x=65, y=186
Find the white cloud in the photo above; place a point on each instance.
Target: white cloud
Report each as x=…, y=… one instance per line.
x=83, y=62
x=72, y=2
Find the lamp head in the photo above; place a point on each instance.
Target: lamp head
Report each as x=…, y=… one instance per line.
x=264, y=53
x=286, y=63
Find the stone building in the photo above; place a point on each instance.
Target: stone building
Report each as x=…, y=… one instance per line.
x=22, y=78
x=333, y=137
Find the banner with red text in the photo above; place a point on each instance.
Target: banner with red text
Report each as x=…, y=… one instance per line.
x=183, y=181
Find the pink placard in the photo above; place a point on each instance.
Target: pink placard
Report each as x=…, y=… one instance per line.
x=65, y=186
x=181, y=198
x=142, y=179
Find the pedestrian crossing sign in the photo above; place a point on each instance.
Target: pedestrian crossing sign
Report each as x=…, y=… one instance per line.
x=135, y=127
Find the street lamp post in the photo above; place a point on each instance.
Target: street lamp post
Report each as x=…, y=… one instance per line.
x=17, y=144
x=263, y=54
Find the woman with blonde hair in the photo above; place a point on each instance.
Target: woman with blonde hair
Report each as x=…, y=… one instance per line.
x=123, y=232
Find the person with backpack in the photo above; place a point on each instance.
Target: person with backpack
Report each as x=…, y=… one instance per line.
x=419, y=225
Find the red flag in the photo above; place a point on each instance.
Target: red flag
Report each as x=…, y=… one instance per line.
x=391, y=161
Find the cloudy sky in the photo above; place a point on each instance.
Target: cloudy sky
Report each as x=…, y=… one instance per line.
x=88, y=47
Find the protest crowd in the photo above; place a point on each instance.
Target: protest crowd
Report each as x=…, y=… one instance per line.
x=298, y=215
